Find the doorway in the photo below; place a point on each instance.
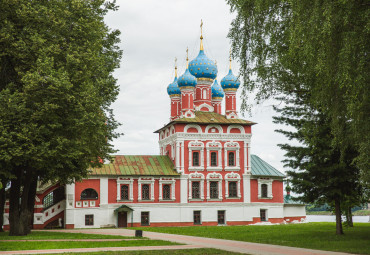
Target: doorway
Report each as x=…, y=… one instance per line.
x=122, y=219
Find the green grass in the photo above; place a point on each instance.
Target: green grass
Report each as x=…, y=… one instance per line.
x=319, y=213
x=164, y=252
x=37, y=245
x=320, y=236
x=42, y=235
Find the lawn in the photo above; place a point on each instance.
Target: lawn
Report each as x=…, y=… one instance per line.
x=164, y=252
x=37, y=245
x=320, y=236
x=43, y=235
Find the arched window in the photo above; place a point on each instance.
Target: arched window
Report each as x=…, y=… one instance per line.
x=263, y=190
x=232, y=189
x=195, y=158
x=231, y=159
x=145, y=191
x=213, y=189
x=166, y=191
x=213, y=158
x=89, y=194
x=124, y=192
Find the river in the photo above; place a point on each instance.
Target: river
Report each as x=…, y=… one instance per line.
x=331, y=218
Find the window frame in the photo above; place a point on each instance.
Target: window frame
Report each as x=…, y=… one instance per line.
x=143, y=195
x=193, y=188
x=232, y=164
x=233, y=193
x=194, y=159
x=197, y=217
x=89, y=198
x=214, y=190
x=264, y=190
x=128, y=192
x=164, y=197
x=89, y=219
x=214, y=160
x=143, y=221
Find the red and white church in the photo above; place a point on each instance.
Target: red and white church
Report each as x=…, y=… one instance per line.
x=205, y=173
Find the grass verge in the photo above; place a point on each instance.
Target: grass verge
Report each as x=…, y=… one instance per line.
x=205, y=251
x=37, y=245
x=43, y=235
x=316, y=235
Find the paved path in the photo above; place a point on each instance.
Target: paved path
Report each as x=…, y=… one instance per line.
x=202, y=242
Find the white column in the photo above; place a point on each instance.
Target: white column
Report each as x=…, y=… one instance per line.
x=118, y=191
x=160, y=189
x=103, y=190
x=190, y=190
x=177, y=156
x=249, y=159
x=247, y=188
x=208, y=188
x=202, y=188
x=220, y=189
x=152, y=190
x=70, y=195
x=182, y=155
x=202, y=157
x=184, y=189
x=245, y=158
x=131, y=189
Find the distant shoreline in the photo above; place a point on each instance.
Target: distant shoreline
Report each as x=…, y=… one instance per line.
x=356, y=213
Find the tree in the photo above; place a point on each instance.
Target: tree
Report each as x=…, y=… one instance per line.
x=321, y=44
x=317, y=50
x=56, y=88
x=318, y=174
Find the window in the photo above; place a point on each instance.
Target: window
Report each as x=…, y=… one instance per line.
x=145, y=192
x=195, y=190
x=204, y=93
x=53, y=197
x=89, y=220
x=231, y=159
x=197, y=220
x=124, y=192
x=213, y=158
x=233, y=189
x=195, y=158
x=263, y=190
x=89, y=194
x=166, y=191
x=221, y=217
x=144, y=218
x=213, y=189
x=263, y=215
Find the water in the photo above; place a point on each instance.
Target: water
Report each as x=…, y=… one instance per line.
x=331, y=218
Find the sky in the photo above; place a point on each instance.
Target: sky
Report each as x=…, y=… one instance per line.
x=153, y=33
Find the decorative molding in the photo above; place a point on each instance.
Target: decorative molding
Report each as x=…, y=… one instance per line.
x=214, y=177
x=267, y=181
x=150, y=181
x=197, y=127
x=209, y=107
x=125, y=181
x=170, y=181
x=194, y=146
x=196, y=177
x=242, y=131
x=218, y=127
x=232, y=177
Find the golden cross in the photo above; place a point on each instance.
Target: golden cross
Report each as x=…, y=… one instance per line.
x=187, y=53
x=175, y=67
x=230, y=58
x=201, y=27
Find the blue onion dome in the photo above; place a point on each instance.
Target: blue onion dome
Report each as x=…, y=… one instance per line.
x=187, y=80
x=203, y=67
x=217, y=91
x=173, y=88
x=230, y=81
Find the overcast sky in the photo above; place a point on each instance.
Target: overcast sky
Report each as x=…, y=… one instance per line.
x=153, y=34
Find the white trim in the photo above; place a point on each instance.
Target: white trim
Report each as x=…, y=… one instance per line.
x=197, y=127
x=214, y=177
x=209, y=107
x=214, y=146
x=232, y=177
x=199, y=177
x=195, y=146
x=170, y=181
x=242, y=131
x=149, y=181
x=232, y=146
x=125, y=181
x=218, y=127
x=267, y=181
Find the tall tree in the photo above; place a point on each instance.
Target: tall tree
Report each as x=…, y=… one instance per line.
x=56, y=88
x=322, y=44
x=318, y=174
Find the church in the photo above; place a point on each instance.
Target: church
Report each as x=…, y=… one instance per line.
x=205, y=174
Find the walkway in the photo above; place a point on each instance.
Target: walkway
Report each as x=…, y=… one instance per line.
x=202, y=242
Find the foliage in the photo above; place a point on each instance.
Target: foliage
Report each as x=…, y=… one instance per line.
x=319, y=48
x=308, y=235
x=44, y=235
x=56, y=87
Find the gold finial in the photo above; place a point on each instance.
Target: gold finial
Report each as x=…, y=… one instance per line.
x=201, y=35
x=187, y=57
x=176, y=67
x=230, y=59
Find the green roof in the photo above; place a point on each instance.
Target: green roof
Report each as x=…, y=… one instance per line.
x=208, y=118
x=262, y=168
x=137, y=165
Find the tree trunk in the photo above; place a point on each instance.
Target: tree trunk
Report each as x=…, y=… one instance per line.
x=338, y=217
x=31, y=203
x=19, y=213
x=2, y=203
x=349, y=217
